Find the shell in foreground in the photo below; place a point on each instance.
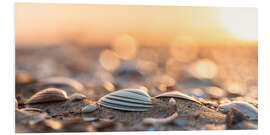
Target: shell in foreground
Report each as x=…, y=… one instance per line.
x=177, y=94
x=246, y=108
x=127, y=100
x=48, y=95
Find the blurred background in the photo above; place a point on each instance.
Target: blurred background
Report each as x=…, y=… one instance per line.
x=206, y=52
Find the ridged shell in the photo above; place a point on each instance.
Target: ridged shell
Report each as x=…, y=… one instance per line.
x=246, y=108
x=63, y=81
x=127, y=100
x=48, y=95
x=177, y=94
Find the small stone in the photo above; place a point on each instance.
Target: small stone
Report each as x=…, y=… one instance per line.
x=89, y=108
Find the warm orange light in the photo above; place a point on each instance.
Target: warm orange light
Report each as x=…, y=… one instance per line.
x=125, y=46
x=109, y=60
x=203, y=68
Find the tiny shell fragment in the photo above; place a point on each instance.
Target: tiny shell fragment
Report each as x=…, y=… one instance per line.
x=177, y=94
x=48, y=95
x=89, y=108
x=127, y=99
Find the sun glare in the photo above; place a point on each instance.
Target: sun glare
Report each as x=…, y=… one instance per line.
x=241, y=22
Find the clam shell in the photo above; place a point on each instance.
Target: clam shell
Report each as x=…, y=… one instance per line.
x=48, y=95
x=63, y=81
x=177, y=94
x=244, y=107
x=127, y=100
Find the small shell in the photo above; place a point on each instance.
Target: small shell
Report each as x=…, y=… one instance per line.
x=48, y=95
x=172, y=102
x=77, y=97
x=89, y=108
x=177, y=94
x=56, y=81
x=127, y=99
x=32, y=110
x=246, y=108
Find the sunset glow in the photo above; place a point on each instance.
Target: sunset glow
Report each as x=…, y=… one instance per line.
x=241, y=22
x=46, y=24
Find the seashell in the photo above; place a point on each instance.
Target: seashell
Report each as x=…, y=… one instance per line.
x=48, y=95
x=127, y=100
x=177, y=94
x=32, y=110
x=166, y=120
x=172, y=102
x=245, y=108
x=77, y=97
x=62, y=81
x=89, y=108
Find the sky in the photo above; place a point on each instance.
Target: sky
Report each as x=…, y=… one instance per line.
x=47, y=24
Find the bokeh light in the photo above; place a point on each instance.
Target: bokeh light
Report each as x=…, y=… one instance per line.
x=204, y=69
x=125, y=46
x=109, y=60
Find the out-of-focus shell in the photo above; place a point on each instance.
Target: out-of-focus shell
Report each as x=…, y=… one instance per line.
x=22, y=77
x=77, y=97
x=48, y=95
x=62, y=81
x=89, y=108
x=127, y=100
x=177, y=94
x=244, y=107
